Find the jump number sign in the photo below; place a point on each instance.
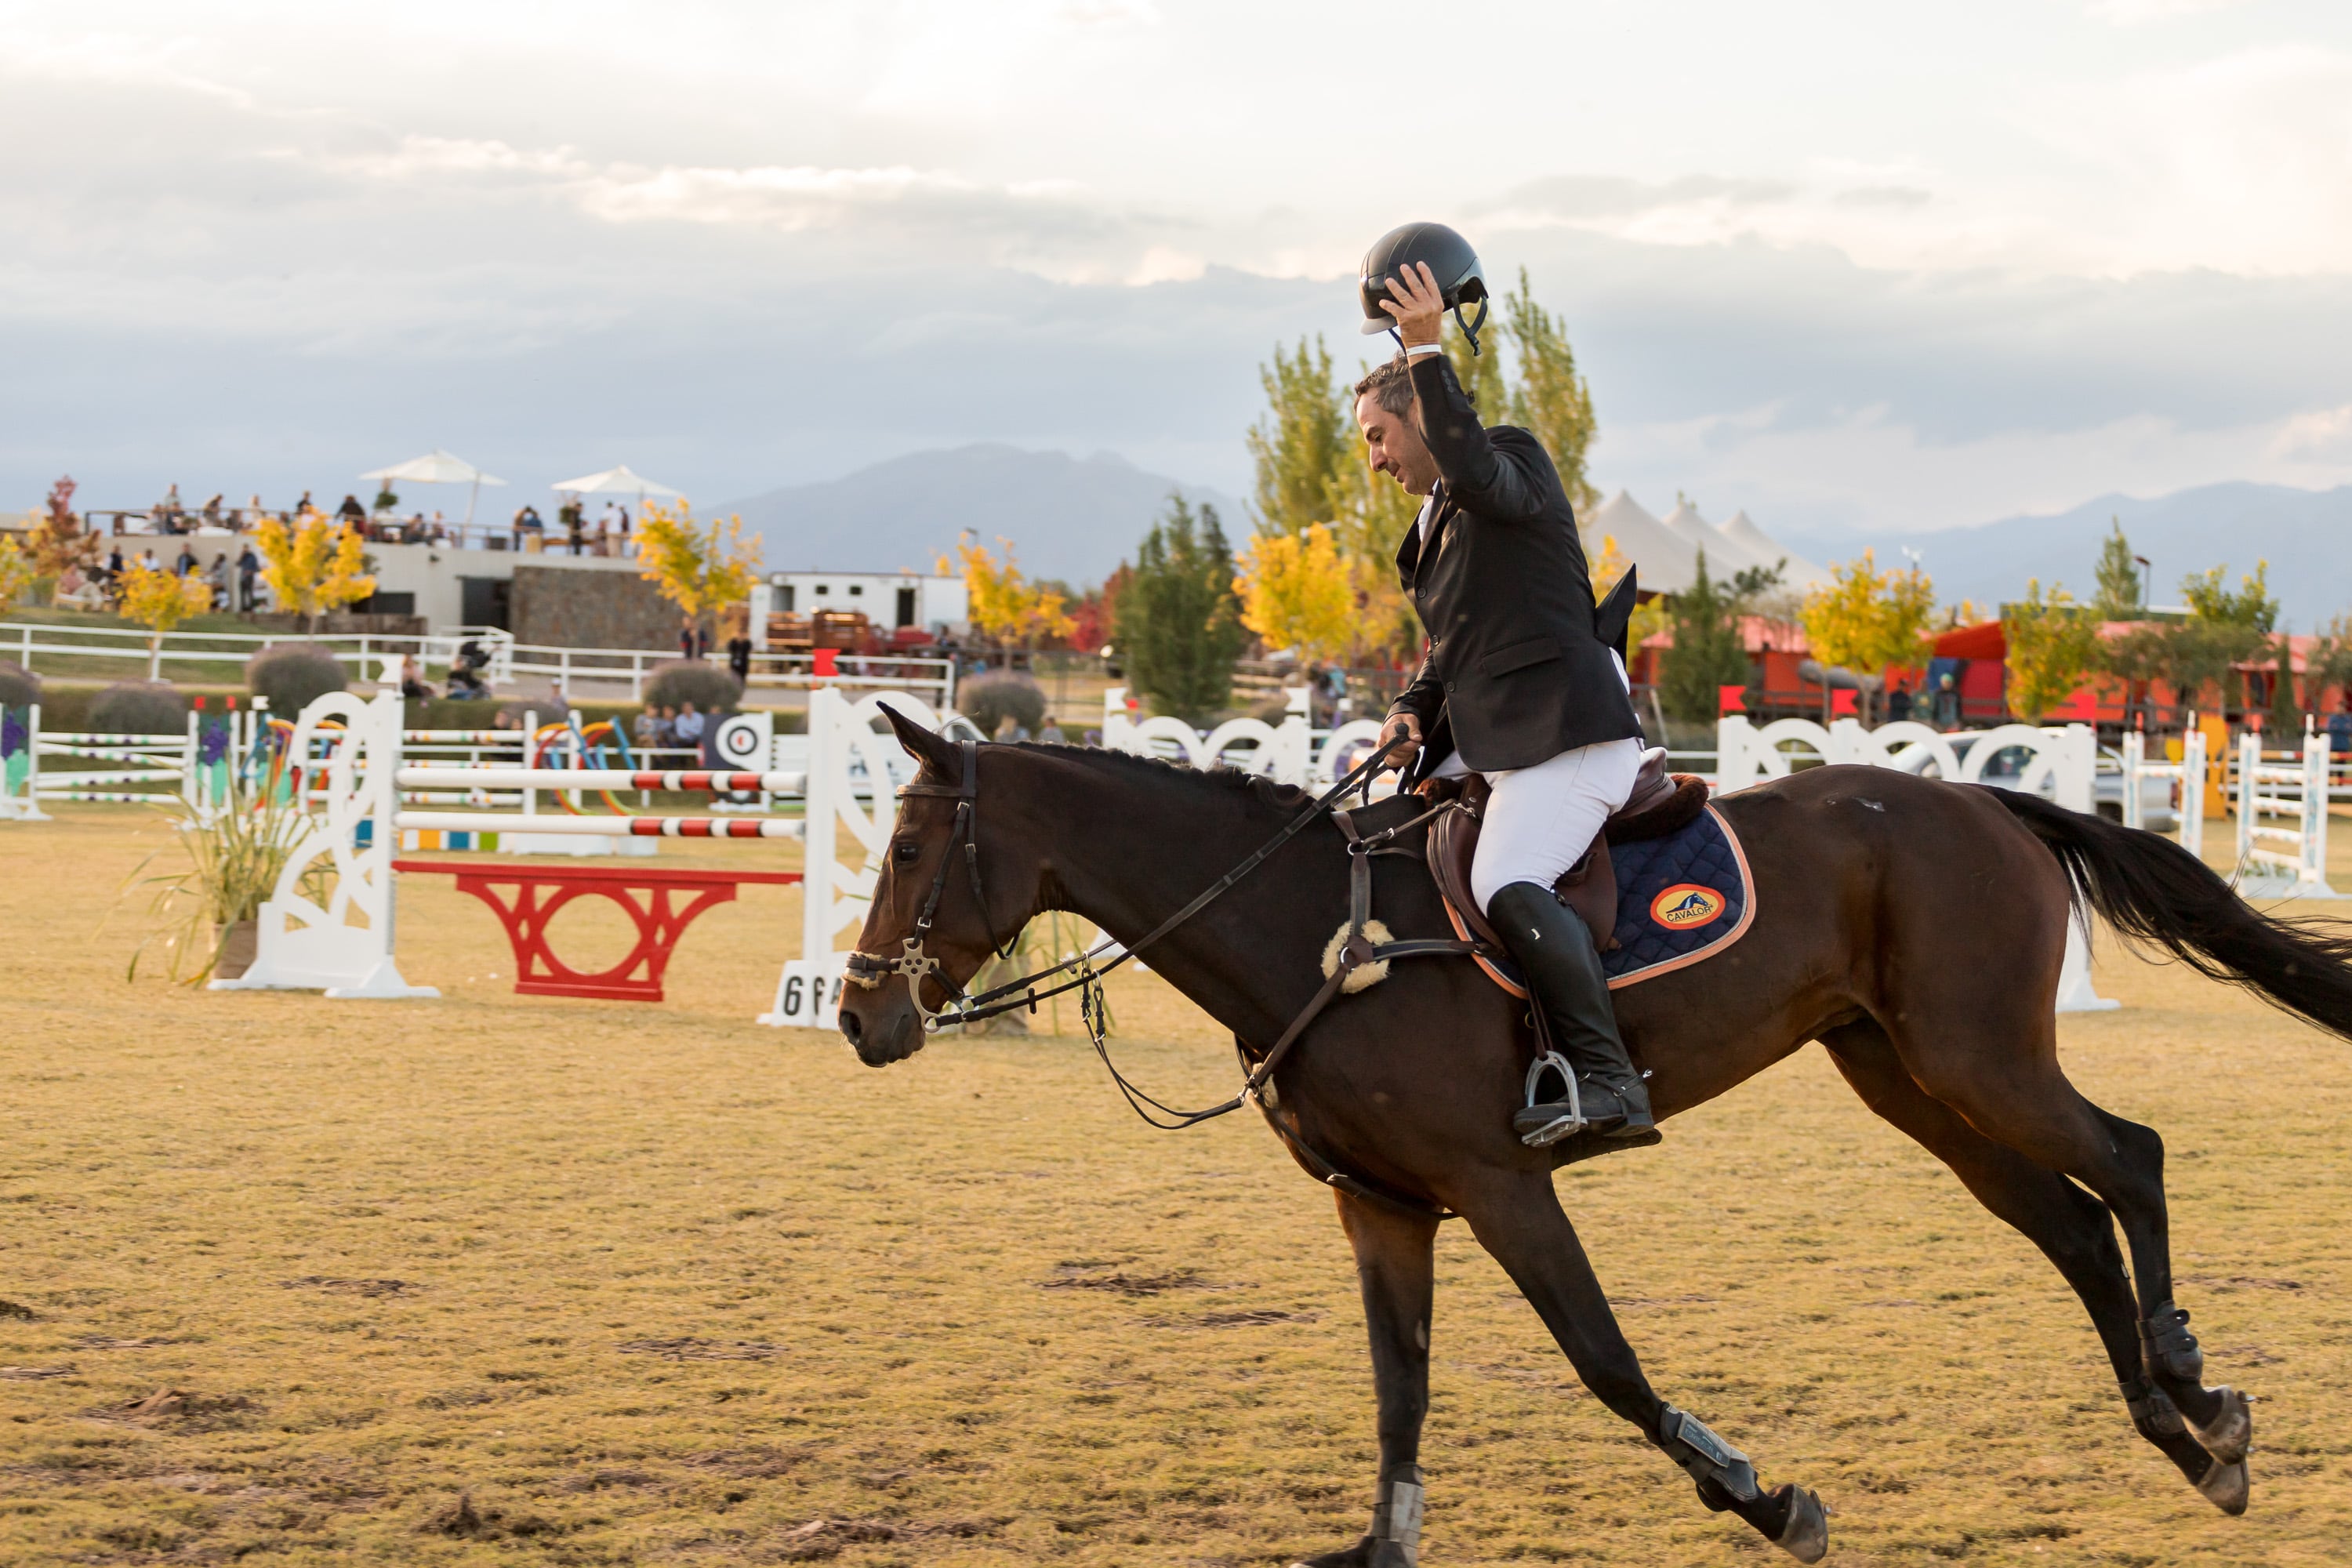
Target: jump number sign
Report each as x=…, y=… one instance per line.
x=809, y=994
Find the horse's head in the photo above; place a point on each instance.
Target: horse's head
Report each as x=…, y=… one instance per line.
x=929, y=927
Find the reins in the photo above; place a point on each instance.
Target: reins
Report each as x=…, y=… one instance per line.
x=1356, y=949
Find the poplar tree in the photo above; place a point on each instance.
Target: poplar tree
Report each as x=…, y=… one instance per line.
x=1179, y=625
x=1301, y=441
x=1552, y=402
x=2118, y=594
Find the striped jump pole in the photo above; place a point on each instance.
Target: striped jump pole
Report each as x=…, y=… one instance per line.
x=604, y=827
x=415, y=777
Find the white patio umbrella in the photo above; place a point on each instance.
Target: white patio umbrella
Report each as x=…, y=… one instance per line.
x=617, y=481
x=438, y=468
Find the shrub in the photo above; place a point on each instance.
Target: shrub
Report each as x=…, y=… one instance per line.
x=710, y=688
x=295, y=675
x=139, y=708
x=986, y=700
x=19, y=687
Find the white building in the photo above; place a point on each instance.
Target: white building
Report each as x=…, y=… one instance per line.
x=889, y=600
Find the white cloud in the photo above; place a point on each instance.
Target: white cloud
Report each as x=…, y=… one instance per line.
x=2134, y=13
x=2322, y=435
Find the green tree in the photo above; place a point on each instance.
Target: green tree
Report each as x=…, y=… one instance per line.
x=1709, y=651
x=2251, y=605
x=1179, y=625
x=1480, y=374
x=2286, y=718
x=2052, y=642
x=1550, y=401
x=1302, y=442
x=2119, y=595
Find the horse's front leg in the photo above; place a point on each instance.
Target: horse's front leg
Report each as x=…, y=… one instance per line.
x=1395, y=1265
x=1520, y=1222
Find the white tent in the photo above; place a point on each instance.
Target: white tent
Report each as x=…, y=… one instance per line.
x=617, y=481
x=1663, y=560
x=1726, y=556
x=1799, y=574
x=438, y=468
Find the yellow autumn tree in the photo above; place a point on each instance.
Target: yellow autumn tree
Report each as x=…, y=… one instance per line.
x=1295, y=593
x=2052, y=644
x=699, y=568
x=16, y=573
x=314, y=566
x=160, y=600
x=1865, y=619
x=1003, y=603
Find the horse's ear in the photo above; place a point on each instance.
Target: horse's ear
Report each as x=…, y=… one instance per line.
x=935, y=751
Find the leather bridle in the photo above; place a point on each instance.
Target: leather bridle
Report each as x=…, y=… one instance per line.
x=868, y=970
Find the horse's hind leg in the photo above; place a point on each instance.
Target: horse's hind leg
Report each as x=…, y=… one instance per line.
x=1519, y=1221
x=1397, y=1270
x=1997, y=1066
x=2072, y=1229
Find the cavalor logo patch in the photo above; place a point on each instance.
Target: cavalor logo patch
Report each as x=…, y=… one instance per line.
x=1687, y=906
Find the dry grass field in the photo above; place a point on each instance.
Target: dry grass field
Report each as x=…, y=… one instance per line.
x=496, y=1279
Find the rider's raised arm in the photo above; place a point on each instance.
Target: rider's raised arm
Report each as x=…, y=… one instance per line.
x=1497, y=480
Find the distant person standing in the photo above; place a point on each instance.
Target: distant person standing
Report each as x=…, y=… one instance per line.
x=574, y=520
x=351, y=512
x=608, y=531
x=686, y=640
x=739, y=658
x=249, y=567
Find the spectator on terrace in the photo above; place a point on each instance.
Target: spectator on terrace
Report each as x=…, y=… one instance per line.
x=249, y=567
x=608, y=531
x=1010, y=729
x=187, y=561
x=252, y=515
x=1051, y=732
x=350, y=511
x=412, y=678
x=113, y=566
x=217, y=574
x=574, y=517
x=646, y=731
x=305, y=504
x=739, y=658
x=686, y=640
x=689, y=726
x=212, y=512
x=622, y=514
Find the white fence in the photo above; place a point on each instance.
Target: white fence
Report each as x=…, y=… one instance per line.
x=153, y=769
x=1289, y=752
x=2060, y=764
x=510, y=661
x=2276, y=861
x=2186, y=777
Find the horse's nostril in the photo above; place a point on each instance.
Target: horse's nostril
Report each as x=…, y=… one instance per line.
x=850, y=1027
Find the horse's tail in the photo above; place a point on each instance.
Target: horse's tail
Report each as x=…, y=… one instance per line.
x=2156, y=893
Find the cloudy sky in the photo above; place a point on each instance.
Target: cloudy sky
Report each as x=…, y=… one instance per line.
x=1891, y=267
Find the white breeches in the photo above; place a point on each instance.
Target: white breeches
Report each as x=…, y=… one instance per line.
x=1540, y=820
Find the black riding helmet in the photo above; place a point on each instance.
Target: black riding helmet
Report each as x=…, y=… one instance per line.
x=1451, y=261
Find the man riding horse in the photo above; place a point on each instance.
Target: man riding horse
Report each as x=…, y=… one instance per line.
x=1518, y=684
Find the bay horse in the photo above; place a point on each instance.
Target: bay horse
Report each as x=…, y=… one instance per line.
x=1914, y=927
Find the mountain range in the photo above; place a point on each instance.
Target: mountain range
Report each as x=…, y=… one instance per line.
x=1074, y=519
x=2304, y=535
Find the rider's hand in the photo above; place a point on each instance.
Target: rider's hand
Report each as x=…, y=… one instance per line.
x=1416, y=302
x=1408, y=726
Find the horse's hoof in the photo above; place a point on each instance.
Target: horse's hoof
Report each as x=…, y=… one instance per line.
x=1806, y=1536
x=2226, y=1487
x=2231, y=1432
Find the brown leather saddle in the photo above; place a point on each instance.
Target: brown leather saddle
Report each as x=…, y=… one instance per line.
x=1662, y=803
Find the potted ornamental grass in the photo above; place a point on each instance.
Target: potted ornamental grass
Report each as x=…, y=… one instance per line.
x=208, y=907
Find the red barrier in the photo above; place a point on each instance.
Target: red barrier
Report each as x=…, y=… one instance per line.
x=644, y=892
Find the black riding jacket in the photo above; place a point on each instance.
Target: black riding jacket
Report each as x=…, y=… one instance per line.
x=1517, y=670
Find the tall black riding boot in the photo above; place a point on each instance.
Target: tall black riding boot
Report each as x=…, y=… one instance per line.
x=1555, y=952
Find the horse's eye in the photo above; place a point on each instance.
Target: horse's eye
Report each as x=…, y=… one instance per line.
x=908, y=851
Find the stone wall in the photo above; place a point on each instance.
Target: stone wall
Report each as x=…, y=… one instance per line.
x=557, y=608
